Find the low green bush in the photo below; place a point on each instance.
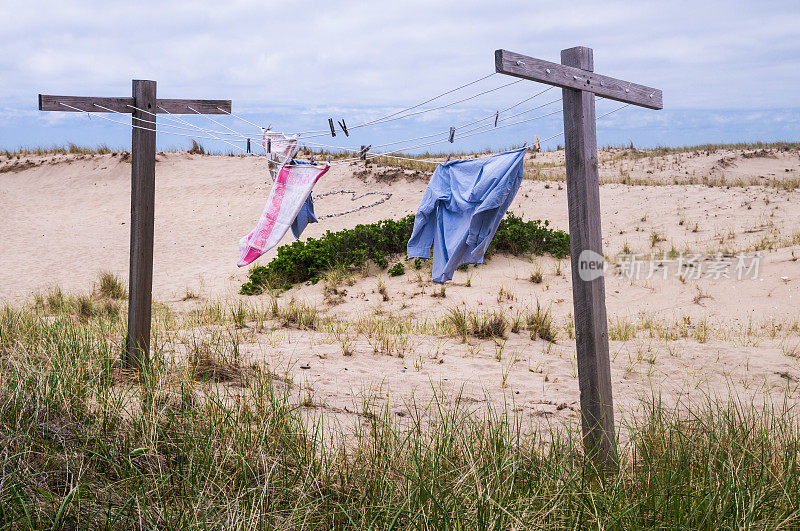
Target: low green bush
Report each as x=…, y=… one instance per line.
x=303, y=261
x=516, y=237
x=397, y=270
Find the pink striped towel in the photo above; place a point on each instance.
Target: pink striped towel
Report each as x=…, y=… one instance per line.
x=290, y=190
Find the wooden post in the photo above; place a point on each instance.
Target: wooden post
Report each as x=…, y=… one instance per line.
x=575, y=75
x=143, y=169
x=143, y=187
x=586, y=254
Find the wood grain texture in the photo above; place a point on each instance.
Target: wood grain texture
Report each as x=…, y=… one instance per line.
x=49, y=102
x=143, y=187
x=178, y=106
x=591, y=326
x=569, y=76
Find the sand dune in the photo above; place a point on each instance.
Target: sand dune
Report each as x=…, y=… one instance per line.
x=66, y=219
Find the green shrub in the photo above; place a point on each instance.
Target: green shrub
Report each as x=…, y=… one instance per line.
x=397, y=270
x=517, y=237
x=303, y=261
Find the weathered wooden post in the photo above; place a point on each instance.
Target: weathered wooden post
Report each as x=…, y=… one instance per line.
x=579, y=85
x=143, y=197
x=144, y=106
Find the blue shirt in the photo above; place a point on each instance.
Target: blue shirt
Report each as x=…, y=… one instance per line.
x=462, y=208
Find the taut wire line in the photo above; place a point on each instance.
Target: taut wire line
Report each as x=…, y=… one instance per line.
x=142, y=120
x=261, y=129
x=383, y=121
x=408, y=108
x=599, y=117
x=458, y=128
x=152, y=126
x=486, y=129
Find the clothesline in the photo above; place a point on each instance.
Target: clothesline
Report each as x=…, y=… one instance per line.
x=485, y=129
x=490, y=154
x=423, y=110
x=213, y=134
x=445, y=132
x=220, y=135
x=370, y=122
x=244, y=138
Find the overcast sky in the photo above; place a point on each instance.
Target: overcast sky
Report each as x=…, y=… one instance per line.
x=730, y=71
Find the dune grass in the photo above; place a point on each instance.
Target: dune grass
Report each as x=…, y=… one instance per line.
x=111, y=286
x=209, y=441
x=631, y=152
x=70, y=148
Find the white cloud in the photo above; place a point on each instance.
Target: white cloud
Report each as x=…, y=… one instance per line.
x=324, y=57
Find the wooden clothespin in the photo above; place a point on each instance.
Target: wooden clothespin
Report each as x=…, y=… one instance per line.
x=248, y=145
x=448, y=158
x=333, y=130
x=344, y=127
x=269, y=145
x=364, y=150
x=538, y=147
x=496, y=116
x=452, y=134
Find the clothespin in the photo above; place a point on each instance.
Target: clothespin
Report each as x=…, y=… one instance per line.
x=364, y=150
x=448, y=158
x=538, y=146
x=330, y=123
x=525, y=146
x=452, y=134
x=269, y=145
x=496, y=116
x=248, y=145
x=312, y=158
x=344, y=127
x=329, y=159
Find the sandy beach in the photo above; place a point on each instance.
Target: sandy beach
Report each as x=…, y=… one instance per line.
x=66, y=220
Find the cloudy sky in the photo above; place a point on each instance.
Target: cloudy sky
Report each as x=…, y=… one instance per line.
x=729, y=70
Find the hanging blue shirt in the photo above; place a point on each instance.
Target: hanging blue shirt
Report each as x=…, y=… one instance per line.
x=306, y=214
x=462, y=208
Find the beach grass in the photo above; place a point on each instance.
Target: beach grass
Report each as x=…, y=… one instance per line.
x=206, y=439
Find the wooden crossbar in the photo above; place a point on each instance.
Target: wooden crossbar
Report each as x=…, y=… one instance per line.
x=48, y=102
x=564, y=76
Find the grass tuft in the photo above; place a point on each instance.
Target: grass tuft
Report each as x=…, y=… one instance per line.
x=111, y=286
x=540, y=324
x=483, y=325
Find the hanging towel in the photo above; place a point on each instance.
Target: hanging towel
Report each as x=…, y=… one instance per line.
x=462, y=208
x=281, y=147
x=289, y=193
x=306, y=214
